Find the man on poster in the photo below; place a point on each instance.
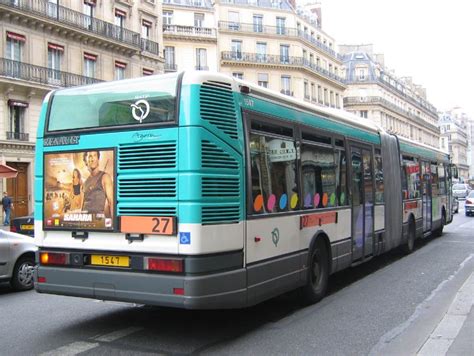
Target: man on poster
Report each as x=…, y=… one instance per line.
x=98, y=187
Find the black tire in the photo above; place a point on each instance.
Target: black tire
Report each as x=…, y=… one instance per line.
x=22, y=278
x=410, y=245
x=439, y=231
x=318, y=273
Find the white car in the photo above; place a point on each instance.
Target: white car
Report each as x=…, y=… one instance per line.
x=17, y=259
x=469, y=205
x=461, y=190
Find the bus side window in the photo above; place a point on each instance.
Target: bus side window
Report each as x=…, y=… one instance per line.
x=441, y=179
x=379, y=187
x=434, y=179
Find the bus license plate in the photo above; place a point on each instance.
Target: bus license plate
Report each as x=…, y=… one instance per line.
x=113, y=261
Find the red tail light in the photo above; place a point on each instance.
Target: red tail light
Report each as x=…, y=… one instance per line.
x=164, y=264
x=468, y=202
x=12, y=228
x=54, y=258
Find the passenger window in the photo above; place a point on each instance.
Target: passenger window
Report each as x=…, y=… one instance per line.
x=273, y=174
x=411, y=178
x=379, y=186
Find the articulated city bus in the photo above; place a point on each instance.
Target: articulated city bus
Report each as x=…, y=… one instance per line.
x=199, y=191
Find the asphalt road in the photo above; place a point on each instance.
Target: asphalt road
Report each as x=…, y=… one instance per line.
x=367, y=308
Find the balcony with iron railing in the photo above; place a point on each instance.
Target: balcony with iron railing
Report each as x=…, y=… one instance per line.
x=377, y=100
x=277, y=31
x=201, y=67
x=66, y=16
x=206, y=4
x=20, y=136
x=269, y=4
x=190, y=32
x=42, y=75
x=269, y=59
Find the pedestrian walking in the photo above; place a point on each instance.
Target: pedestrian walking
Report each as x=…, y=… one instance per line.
x=7, y=208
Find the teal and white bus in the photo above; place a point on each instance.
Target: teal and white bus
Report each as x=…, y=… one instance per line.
x=196, y=190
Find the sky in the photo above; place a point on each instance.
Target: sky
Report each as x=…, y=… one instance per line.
x=430, y=41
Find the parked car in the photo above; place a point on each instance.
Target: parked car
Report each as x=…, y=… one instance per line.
x=17, y=259
x=461, y=190
x=23, y=225
x=455, y=206
x=469, y=205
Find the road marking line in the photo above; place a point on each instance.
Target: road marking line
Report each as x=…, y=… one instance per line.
x=445, y=333
x=117, y=334
x=71, y=349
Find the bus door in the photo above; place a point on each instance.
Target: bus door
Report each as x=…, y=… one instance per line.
x=362, y=191
x=426, y=196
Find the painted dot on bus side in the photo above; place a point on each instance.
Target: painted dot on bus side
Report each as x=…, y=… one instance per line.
x=258, y=203
x=325, y=199
x=316, y=200
x=271, y=202
x=332, y=199
x=294, y=201
x=283, y=201
x=342, y=198
x=307, y=201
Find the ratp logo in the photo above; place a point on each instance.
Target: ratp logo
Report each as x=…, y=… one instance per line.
x=140, y=110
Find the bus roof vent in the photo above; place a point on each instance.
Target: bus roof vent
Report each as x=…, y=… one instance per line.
x=222, y=214
x=218, y=107
x=215, y=157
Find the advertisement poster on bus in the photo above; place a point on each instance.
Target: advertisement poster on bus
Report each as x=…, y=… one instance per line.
x=79, y=190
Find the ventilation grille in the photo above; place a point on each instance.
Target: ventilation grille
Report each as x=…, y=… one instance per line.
x=220, y=187
x=152, y=156
x=147, y=187
x=218, y=107
x=148, y=211
x=220, y=214
x=215, y=157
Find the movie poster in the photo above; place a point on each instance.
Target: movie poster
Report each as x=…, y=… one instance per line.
x=79, y=190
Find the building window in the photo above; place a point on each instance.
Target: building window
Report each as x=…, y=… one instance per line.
x=234, y=21
x=326, y=98
x=238, y=75
x=14, y=46
x=261, y=51
x=167, y=17
x=313, y=92
x=147, y=72
x=201, y=59
x=364, y=114
x=55, y=54
x=320, y=94
x=257, y=23
x=169, y=54
x=146, y=29
x=52, y=8
x=362, y=74
x=285, y=54
x=198, y=20
x=280, y=25
x=263, y=80
x=286, y=85
x=120, y=18
x=236, y=47
x=90, y=65
x=88, y=11
x=120, y=70
x=306, y=90
x=16, y=129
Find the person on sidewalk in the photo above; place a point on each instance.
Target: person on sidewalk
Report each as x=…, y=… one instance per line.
x=7, y=208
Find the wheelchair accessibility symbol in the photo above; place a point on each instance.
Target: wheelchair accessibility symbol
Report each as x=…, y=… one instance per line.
x=185, y=238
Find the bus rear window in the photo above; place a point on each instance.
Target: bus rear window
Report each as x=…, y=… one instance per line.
x=135, y=102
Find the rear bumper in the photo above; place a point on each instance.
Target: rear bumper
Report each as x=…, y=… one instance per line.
x=469, y=208
x=211, y=291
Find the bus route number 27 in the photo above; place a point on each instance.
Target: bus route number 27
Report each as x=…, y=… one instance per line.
x=159, y=225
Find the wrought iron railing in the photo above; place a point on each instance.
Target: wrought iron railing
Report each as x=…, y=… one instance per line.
x=189, y=3
x=80, y=21
x=150, y=46
x=277, y=30
x=256, y=58
x=271, y=4
x=199, y=67
x=42, y=75
x=193, y=31
x=20, y=136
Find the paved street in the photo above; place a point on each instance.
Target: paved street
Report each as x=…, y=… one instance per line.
x=394, y=304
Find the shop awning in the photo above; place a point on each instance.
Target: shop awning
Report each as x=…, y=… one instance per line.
x=7, y=171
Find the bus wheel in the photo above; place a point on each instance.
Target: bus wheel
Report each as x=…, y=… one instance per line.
x=439, y=231
x=410, y=245
x=318, y=273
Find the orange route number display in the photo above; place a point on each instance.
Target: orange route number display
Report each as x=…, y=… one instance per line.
x=150, y=225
